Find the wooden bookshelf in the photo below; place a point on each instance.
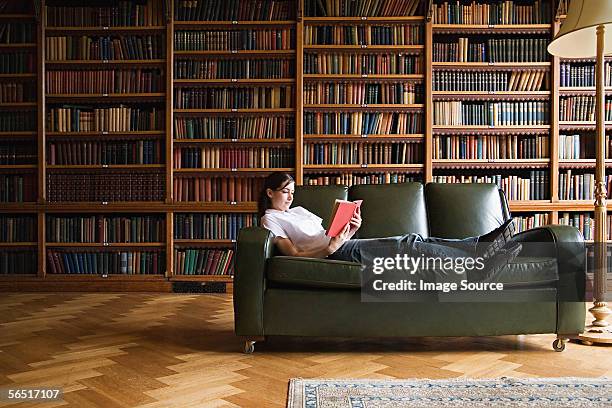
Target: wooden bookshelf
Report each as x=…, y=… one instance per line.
x=298, y=140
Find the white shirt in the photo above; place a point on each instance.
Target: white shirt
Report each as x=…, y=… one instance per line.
x=302, y=227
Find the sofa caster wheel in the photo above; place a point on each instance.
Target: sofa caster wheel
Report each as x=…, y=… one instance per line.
x=559, y=344
x=249, y=347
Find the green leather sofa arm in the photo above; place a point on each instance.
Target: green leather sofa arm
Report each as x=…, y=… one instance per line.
x=255, y=246
x=566, y=244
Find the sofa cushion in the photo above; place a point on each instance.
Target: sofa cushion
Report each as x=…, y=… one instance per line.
x=464, y=210
x=319, y=199
x=390, y=209
x=314, y=273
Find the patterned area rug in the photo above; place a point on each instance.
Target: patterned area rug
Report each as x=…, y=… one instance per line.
x=502, y=392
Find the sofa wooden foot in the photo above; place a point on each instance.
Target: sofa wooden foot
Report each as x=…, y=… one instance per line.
x=559, y=344
x=249, y=347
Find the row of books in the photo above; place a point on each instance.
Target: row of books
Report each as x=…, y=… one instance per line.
x=491, y=81
x=516, y=187
x=363, y=123
x=99, y=187
x=489, y=147
x=106, y=262
x=233, y=157
x=211, y=226
x=351, y=179
x=524, y=113
x=102, y=81
x=105, y=228
x=331, y=63
x=17, y=152
x=105, y=152
x=581, y=74
x=18, y=228
x=217, y=188
x=492, y=50
x=481, y=13
x=234, y=10
x=235, y=40
x=17, y=92
x=348, y=8
x=234, y=68
x=17, y=62
x=17, y=33
x=580, y=186
x=404, y=34
x=122, y=13
x=363, y=153
x=204, y=261
x=257, y=97
x=18, y=188
x=363, y=93
x=527, y=222
x=17, y=121
x=582, y=108
x=119, y=118
x=235, y=127
x=115, y=47
x=579, y=146
x=585, y=223
x=18, y=261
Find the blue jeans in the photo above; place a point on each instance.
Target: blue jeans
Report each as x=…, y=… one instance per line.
x=453, y=248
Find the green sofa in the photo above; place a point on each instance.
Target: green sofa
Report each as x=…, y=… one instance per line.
x=290, y=296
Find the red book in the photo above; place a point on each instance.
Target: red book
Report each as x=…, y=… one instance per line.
x=341, y=215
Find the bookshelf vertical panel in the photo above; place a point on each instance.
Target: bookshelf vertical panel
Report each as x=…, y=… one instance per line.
x=428, y=155
x=169, y=244
x=41, y=105
x=299, y=101
x=554, y=117
x=169, y=130
x=42, y=248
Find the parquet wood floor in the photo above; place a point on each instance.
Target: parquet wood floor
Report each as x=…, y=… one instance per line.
x=171, y=350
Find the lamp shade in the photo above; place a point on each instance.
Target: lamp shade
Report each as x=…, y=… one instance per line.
x=577, y=37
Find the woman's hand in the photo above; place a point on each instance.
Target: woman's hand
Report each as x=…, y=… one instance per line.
x=337, y=241
x=355, y=222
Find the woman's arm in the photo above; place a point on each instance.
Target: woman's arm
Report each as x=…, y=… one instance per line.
x=354, y=223
x=286, y=247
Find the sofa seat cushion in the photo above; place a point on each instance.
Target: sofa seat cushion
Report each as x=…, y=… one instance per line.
x=524, y=272
x=314, y=273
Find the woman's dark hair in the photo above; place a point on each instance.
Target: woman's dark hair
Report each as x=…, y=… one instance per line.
x=275, y=181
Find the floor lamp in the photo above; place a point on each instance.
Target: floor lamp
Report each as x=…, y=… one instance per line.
x=587, y=33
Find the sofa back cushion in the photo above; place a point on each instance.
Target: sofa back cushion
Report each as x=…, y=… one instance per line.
x=319, y=199
x=464, y=210
x=390, y=209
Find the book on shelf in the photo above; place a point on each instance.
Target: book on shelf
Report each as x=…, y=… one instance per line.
x=581, y=108
x=18, y=261
x=363, y=93
x=226, y=189
x=103, y=228
x=235, y=68
x=234, y=127
x=258, y=97
x=17, y=152
x=263, y=39
x=348, y=8
x=17, y=62
x=122, y=13
x=491, y=13
x=211, y=226
x=17, y=92
x=90, y=118
x=104, y=81
x=363, y=123
x=490, y=147
x=477, y=113
x=234, y=10
x=582, y=74
x=580, y=185
x=527, y=222
x=491, y=81
x=351, y=178
x=363, y=153
x=18, y=228
x=363, y=63
x=18, y=188
x=17, y=33
x=399, y=34
x=107, y=152
x=17, y=121
x=203, y=261
x=70, y=261
x=492, y=50
x=222, y=157
x=105, y=48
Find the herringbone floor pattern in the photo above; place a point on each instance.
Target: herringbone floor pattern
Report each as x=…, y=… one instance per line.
x=160, y=350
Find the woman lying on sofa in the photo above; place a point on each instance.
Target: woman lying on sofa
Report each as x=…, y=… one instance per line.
x=298, y=232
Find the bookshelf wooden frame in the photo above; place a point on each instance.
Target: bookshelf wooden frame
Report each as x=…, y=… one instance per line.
x=168, y=207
